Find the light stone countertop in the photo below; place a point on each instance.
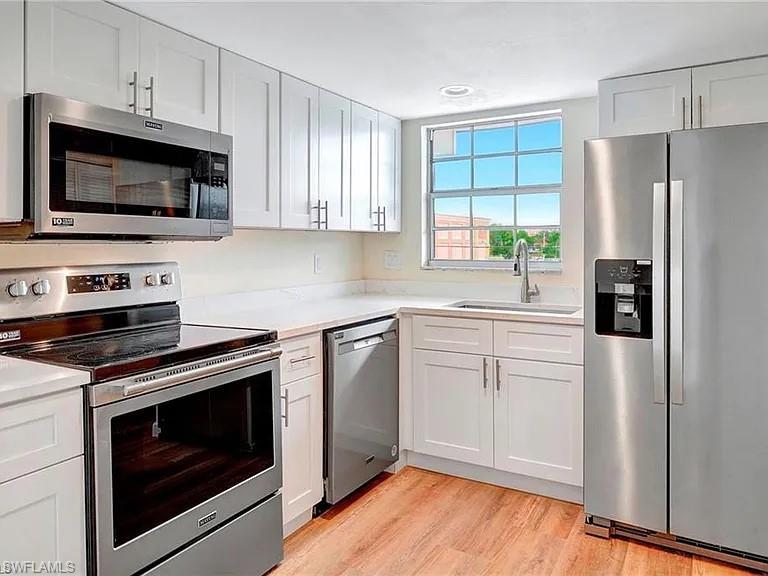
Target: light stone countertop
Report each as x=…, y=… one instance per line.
x=305, y=317
x=24, y=379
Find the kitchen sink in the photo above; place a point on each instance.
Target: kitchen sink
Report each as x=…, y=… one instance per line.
x=515, y=307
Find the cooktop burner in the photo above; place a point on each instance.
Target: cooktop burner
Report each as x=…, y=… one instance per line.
x=127, y=352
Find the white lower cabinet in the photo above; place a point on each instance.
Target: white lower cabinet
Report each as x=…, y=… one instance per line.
x=42, y=518
x=453, y=406
x=538, y=419
x=302, y=417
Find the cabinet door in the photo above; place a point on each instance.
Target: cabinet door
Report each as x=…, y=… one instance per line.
x=11, y=110
x=302, y=445
x=534, y=341
x=334, y=157
x=364, y=169
x=298, y=153
x=731, y=93
x=42, y=516
x=389, y=172
x=538, y=420
x=183, y=73
x=250, y=113
x=644, y=104
x=88, y=51
x=453, y=406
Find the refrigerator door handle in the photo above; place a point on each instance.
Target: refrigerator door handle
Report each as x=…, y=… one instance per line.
x=676, y=292
x=659, y=292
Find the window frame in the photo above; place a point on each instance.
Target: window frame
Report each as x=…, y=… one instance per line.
x=430, y=262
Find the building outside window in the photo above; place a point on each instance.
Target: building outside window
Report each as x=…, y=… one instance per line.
x=492, y=183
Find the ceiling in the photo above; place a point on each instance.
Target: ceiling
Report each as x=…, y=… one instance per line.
x=395, y=56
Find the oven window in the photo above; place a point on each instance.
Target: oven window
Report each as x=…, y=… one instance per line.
x=172, y=456
x=102, y=173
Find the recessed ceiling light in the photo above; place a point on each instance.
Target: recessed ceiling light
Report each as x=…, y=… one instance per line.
x=456, y=90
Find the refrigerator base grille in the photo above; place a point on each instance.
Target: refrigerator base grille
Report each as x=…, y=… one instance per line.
x=600, y=527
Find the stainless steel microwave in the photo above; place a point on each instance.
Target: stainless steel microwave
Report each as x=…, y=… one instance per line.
x=95, y=172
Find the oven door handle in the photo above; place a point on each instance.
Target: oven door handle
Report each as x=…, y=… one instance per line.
x=209, y=368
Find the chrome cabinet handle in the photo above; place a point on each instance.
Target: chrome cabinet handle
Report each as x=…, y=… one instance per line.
x=284, y=398
x=485, y=373
x=384, y=212
x=377, y=212
x=325, y=209
x=313, y=208
x=701, y=111
x=134, y=83
x=498, y=375
x=683, y=112
x=659, y=292
x=302, y=359
x=676, y=256
x=151, y=90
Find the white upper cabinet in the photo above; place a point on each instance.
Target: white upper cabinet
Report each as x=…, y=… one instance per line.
x=731, y=93
x=11, y=109
x=647, y=103
x=250, y=113
x=334, y=166
x=88, y=51
x=299, y=153
x=389, y=172
x=538, y=420
x=179, y=77
x=366, y=213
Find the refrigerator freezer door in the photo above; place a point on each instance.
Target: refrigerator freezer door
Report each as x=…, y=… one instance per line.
x=625, y=424
x=719, y=333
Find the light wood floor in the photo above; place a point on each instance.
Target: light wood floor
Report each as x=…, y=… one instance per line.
x=419, y=522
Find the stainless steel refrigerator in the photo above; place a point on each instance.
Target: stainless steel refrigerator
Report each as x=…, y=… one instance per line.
x=676, y=340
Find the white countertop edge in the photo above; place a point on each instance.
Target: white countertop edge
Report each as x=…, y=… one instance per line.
x=22, y=380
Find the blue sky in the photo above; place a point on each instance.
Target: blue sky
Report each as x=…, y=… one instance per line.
x=541, y=168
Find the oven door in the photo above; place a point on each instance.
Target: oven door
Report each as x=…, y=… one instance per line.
x=102, y=172
x=168, y=466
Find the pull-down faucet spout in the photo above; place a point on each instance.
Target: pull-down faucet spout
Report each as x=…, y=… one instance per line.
x=521, y=269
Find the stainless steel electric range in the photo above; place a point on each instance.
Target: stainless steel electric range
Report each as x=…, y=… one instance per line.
x=182, y=435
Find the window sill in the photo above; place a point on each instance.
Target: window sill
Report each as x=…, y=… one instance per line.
x=534, y=268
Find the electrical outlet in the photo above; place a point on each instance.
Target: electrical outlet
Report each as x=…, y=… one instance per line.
x=318, y=264
x=392, y=260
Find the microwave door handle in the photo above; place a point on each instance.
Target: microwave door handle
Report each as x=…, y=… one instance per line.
x=151, y=90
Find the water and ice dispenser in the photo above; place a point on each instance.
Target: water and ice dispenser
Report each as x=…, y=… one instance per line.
x=623, y=298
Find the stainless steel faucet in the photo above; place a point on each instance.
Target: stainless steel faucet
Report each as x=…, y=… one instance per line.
x=521, y=269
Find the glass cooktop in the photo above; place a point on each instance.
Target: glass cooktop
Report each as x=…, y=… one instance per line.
x=122, y=353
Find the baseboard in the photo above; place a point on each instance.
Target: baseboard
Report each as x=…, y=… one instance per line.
x=292, y=525
x=547, y=488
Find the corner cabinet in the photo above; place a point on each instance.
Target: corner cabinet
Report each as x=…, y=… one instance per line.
x=700, y=97
x=389, y=172
x=334, y=162
x=250, y=113
x=11, y=110
x=478, y=397
x=299, y=107
x=366, y=213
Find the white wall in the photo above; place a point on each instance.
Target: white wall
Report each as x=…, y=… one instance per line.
x=579, y=123
x=249, y=260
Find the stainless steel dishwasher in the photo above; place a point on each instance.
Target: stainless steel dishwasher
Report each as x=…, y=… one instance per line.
x=361, y=404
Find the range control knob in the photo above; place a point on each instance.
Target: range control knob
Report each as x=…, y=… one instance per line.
x=152, y=279
x=18, y=289
x=168, y=278
x=41, y=288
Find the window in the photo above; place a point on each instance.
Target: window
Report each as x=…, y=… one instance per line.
x=493, y=183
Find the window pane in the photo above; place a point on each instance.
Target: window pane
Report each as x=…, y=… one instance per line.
x=495, y=172
x=543, y=245
x=539, y=135
x=450, y=142
x=494, y=245
x=451, y=212
x=538, y=210
x=452, y=175
x=495, y=139
x=493, y=211
x=452, y=245
x=540, y=169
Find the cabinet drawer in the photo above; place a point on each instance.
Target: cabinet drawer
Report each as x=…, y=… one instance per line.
x=453, y=334
x=544, y=342
x=302, y=357
x=40, y=432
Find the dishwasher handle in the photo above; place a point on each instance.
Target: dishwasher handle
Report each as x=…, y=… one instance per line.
x=367, y=342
